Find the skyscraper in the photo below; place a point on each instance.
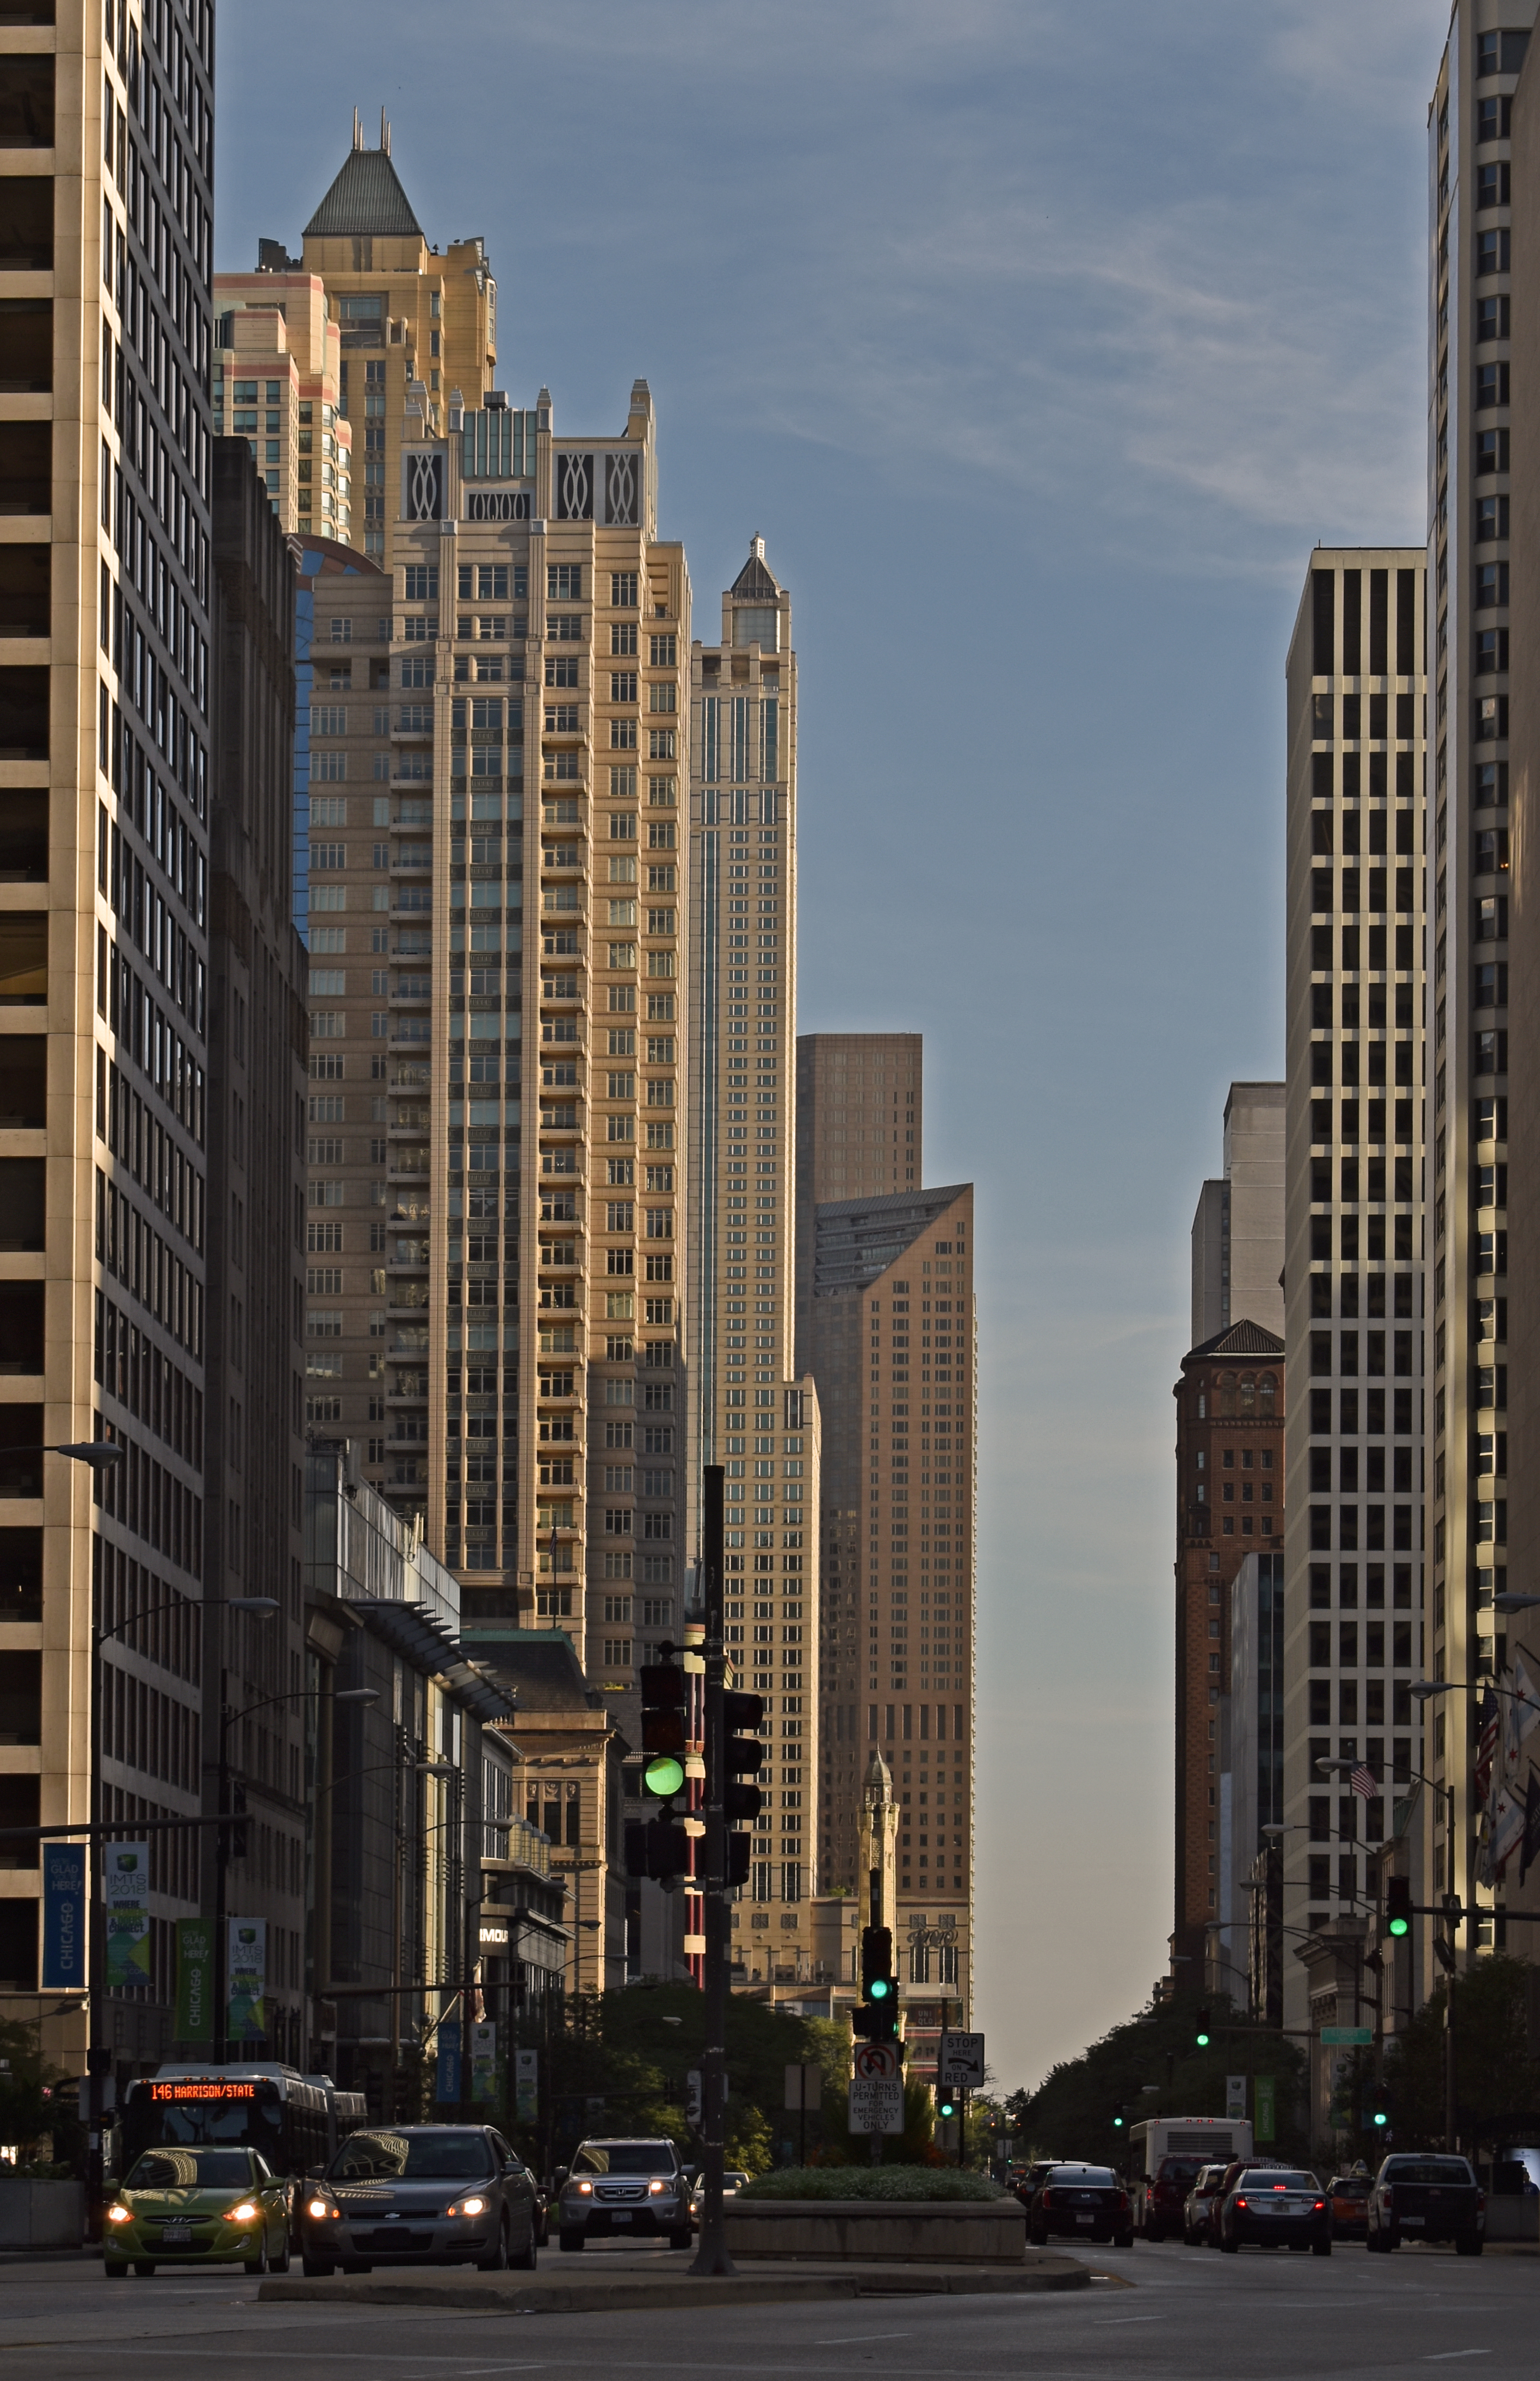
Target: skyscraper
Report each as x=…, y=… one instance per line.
x=277, y=385
x=105, y=460
x=1471, y=511
x=1353, y=1206
x=860, y=1133
x=892, y=1352
x=747, y=1412
x=1238, y=1228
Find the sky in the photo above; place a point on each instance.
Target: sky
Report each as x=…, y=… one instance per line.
x=1041, y=342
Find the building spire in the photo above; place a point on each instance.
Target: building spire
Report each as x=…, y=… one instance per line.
x=384, y=132
x=358, y=130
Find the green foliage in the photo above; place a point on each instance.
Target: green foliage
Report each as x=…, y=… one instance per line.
x=915, y=2145
x=1495, y=2075
x=871, y=2182
x=28, y=2084
x=1070, y=2115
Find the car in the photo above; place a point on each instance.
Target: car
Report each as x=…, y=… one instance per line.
x=1197, y=2228
x=197, y=2206
x=421, y=2195
x=1274, y=2207
x=1024, y=2179
x=624, y=2189
x=1166, y=2195
x=1426, y=2198
x=1349, y=2194
x=1079, y=2202
x=733, y=2180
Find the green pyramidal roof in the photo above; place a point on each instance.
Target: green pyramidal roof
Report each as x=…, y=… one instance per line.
x=366, y=201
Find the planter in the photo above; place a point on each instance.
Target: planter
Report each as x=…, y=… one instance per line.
x=42, y=2215
x=876, y=2231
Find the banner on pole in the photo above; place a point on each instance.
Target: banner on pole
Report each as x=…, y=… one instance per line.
x=1262, y=2093
x=194, y=1980
x=447, y=2080
x=483, y=2062
x=526, y=2082
x=126, y=1891
x=247, y=1979
x=64, y=1917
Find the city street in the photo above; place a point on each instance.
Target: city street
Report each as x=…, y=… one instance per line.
x=1186, y=2313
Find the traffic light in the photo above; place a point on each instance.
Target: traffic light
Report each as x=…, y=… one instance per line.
x=742, y=1717
x=1204, y=2029
x=663, y=1730
x=946, y=2105
x=1380, y=2118
x=877, y=2019
x=657, y=1847
x=1119, y=2118
x=240, y=1830
x=1397, y=1906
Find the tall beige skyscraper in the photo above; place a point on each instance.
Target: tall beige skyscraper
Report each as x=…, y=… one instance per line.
x=1238, y=1230
x=277, y=385
x=748, y=1413
x=1356, y=1322
x=860, y=1132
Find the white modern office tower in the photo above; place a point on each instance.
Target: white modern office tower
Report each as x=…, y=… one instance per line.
x=1238, y=1226
x=1354, y=1308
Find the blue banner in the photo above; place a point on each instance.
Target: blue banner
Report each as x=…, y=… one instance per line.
x=64, y=1917
x=447, y=2082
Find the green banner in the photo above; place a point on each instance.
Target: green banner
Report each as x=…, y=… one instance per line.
x=128, y=1948
x=1263, y=2091
x=194, y=1980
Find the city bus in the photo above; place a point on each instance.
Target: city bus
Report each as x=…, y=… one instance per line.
x=295, y=2120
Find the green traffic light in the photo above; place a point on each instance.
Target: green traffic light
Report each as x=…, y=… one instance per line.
x=1380, y=2117
x=1118, y=2124
x=1401, y=1927
x=949, y=2107
x=1203, y=2042
x=880, y=1988
x=664, y=1775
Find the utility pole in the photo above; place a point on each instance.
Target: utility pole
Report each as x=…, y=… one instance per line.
x=711, y=2255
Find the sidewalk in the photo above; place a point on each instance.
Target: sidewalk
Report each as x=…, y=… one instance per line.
x=584, y=2288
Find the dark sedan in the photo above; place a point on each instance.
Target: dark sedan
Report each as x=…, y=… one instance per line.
x=421, y=2195
x=1079, y=2202
x=1276, y=2208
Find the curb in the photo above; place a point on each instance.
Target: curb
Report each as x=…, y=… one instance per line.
x=516, y=2294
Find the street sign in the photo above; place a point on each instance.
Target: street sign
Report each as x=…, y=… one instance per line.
x=694, y=2103
x=1346, y=2037
x=875, y=2061
x=877, y=2106
x=804, y=2084
x=962, y=2061
x=1235, y=2097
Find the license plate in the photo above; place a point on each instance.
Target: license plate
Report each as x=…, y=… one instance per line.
x=1408, y=2221
x=1085, y=2219
x=174, y=2234
x=620, y=2215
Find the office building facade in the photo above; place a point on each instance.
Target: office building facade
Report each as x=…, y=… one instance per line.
x=860, y=1133
x=1237, y=1227
x=1356, y=1327
x=748, y=1413
x=893, y=1355
x=277, y=385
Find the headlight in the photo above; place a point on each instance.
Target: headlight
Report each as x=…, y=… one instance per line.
x=120, y=2215
x=586, y=2190
x=468, y=2207
x=316, y=2207
x=242, y=2213
x=655, y=2186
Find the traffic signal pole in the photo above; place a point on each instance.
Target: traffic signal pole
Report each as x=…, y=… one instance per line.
x=711, y=2254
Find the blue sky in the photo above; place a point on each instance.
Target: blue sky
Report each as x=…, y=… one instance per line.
x=1041, y=341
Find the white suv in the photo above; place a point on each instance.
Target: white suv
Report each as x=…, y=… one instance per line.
x=624, y=2189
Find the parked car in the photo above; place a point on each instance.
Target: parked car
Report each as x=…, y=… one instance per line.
x=1349, y=2194
x=1196, y=2226
x=627, y=2188
x=1079, y=2202
x=197, y=2207
x=1166, y=2195
x=733, y=2181
x=1276, y=2208
x=1427, y=2198
x=421, y=2195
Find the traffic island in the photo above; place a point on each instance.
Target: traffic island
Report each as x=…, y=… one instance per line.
x=865, y=2231
x=599, y=2288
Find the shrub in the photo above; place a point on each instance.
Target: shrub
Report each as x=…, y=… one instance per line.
x=897, y=2182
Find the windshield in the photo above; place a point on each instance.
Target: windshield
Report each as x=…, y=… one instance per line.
x=625, y=2158
x=1178, y=2169
x=412, y=2156
x=1433, y=2170
x=1349, y=2190
x=190, y=2171
x=1270, y=2178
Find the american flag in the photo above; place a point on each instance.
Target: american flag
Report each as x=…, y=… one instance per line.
x=1364, y=1782
x=1486, y=1743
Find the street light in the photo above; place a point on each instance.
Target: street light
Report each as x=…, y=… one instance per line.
x=1513, y=1602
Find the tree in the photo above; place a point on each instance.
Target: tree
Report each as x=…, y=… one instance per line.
x=1497, y=2081
x=28, y=2087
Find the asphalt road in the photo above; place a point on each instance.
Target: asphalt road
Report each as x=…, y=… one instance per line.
x=1189, y=2313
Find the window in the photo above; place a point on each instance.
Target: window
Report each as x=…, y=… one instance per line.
x=564, y=582
x=622, y=590
x=622, y=637
x=1491, y=585
x=622, y=686
x=664, y=652
x=1500, y=54
x=561, y=669
x=421, y=583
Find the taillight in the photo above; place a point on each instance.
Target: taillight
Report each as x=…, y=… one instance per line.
x=1387, y=2197
x=1122, y=2199
x=1319, y=2204
x=1048, y=2199
x=1240, y=2203
x=1481, y=2200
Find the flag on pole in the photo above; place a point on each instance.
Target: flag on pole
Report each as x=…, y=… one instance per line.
x=1526, y=1699
x=1509, y=1829
x=1364, y=1782
x=1486, y=1743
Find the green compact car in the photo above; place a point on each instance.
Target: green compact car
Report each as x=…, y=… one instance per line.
x=198, y=2207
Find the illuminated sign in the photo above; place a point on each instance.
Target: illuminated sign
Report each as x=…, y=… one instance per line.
x=202, y=2090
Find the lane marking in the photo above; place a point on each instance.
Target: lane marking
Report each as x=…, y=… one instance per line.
x=848, y=2338
x=1448, y=2355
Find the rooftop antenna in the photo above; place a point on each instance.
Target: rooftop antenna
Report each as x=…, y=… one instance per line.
x=385, y=133
x=358, y=130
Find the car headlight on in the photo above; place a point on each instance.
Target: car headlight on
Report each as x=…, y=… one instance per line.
x=120, y=2215
x=317, y=2207
x=243, y=2213
x=654, y=2187
x=585, y=2190
x=473, y=2206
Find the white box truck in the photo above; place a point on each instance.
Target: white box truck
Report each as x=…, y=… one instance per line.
x=1165, y=2154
